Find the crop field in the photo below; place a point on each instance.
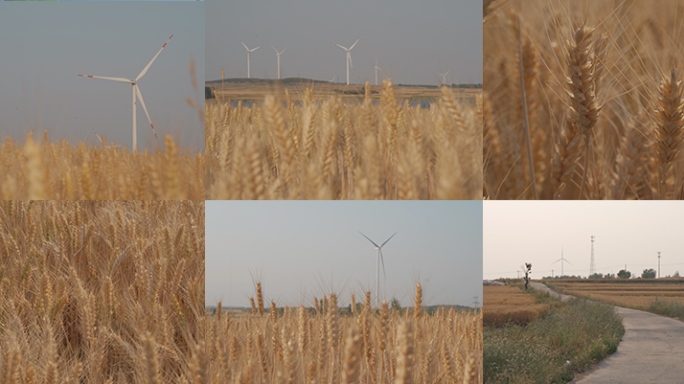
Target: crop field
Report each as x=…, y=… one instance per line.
x=504, y=304
x=60, y=171
x=603, y=116
x=325, y=148
x=102, y=292
x=628, y=293
x=254, y=90
x=323, y=346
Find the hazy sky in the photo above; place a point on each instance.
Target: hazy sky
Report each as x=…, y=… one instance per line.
x=45, y=45
x=412, y=40
x=627, y=232
x=302, y=249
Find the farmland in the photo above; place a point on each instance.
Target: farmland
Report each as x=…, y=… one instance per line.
x=327, y=148
x=101, y=292
x=504, y=304
x=326, y=344
x=550, y=349
x=254, y=90
x=654, y=295
x=45, y=170
x=603, y=100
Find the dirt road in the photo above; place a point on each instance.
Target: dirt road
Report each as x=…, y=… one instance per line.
x=651, y=351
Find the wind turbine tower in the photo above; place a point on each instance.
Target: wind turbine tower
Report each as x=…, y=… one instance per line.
x=278, y=54
x=376, y=72
x=562, y=260
x=444, y=77
x=349, y=60
x=248, y=52
x=136, y=93
x=377, y=268
x=659, y=264
x=592, y=266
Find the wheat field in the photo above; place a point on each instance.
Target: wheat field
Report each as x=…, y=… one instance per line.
x=328, y=345
x=603, y=114
x=329, y=149
x=102, y=292
x=60, y=171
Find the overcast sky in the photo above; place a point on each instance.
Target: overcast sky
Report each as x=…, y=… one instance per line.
x=45, y=45
x=302, y=249
x=627, y=232
x=412, y=40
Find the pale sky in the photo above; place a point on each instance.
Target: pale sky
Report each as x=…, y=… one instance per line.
x=627, y=232
x=44, y=46
x=412, y=40
x=302, y=249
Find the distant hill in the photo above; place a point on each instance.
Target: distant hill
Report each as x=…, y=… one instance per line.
x=300, y=80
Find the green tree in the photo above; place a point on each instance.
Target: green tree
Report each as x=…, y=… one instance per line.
x=648, y=274
x=395, y=305
x=624, y=274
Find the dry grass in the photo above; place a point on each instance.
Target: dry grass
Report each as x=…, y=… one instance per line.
x=50, y=171
x=327, y=149
x=628, y=293
x=101, y=292
x=303, y=346
x=603, y=87
x=504, y=304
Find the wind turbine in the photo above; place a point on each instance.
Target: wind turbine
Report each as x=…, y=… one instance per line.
x=248, y=52
x=444, y=77
x=136, y=92
x=278, y=54
x=562, y=260
x=376, y=72
x=377, y=268
x=349, y=60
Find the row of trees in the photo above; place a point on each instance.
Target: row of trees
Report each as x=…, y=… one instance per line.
x=649, y=273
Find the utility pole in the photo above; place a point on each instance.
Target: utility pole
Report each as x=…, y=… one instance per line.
x=592, y=266
x=552, y=273
x=659, y=264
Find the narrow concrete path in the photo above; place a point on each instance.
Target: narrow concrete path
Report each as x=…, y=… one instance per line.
x=651, y=351
x=542, y=287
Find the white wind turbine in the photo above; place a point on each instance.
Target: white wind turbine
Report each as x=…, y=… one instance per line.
x=444, y=77
x=377, y=268
x=349, y=60
x=136, y=92
x=248, y=52
x=562, y=260
x=376, y=72
x=278, y=54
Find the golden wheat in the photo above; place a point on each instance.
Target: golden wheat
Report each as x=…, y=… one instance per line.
x=61, y=171
x=101, y=292
x=333, y=346
x=329, y=149
x=603, y=94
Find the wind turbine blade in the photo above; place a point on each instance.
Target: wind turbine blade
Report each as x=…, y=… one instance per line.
x=357, y=40
x=144, y=71
x=255, y=48
x=274, y=49
x=340, y=46
x=446, y=73
x=390, y=238
x=556, y=261
x=383, y=265
x=369, y=239
x=142, y=102
x=568, y=262
x=119, y=79
x=244, y=45
x=283, y=50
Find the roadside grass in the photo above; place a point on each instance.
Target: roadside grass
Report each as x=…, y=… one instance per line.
x=574, y=335
x=658, y=305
